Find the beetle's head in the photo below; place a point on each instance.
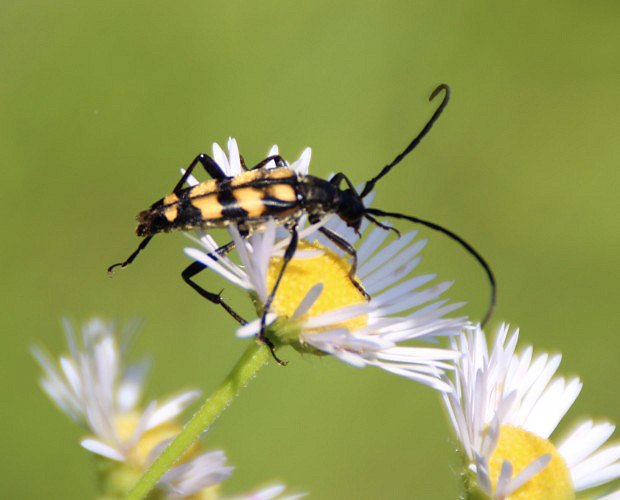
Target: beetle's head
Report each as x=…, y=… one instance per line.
x=351, y=208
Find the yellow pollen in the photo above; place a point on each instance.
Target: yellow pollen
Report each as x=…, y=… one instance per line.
x=521, y=447
x=305, y=272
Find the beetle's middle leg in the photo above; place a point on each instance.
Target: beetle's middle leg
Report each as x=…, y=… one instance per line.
x=346, y=247
x=288, y=255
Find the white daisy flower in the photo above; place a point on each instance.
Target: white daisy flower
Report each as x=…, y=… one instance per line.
x=504, y=406
x=91, y=385
x=325, y=312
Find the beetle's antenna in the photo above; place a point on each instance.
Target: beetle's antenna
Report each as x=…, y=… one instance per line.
x=370, y=185
x=458, y=239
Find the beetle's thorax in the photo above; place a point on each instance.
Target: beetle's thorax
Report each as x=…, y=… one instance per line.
x=321, y=197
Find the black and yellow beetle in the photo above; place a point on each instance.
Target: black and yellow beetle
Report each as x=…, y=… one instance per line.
x=251, y=198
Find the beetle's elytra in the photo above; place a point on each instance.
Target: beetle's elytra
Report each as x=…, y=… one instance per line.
x=245, y=200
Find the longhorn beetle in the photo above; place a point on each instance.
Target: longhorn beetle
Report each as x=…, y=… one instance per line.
x=249, y=199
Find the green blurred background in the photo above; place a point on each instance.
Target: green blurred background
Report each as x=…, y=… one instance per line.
x=102, y=102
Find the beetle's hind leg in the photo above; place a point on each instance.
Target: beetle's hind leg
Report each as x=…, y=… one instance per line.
x=346, y=247
x=196, y=267
x=277, y=159
x=208, y=163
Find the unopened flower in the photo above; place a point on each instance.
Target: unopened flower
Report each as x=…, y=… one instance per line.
x=504, y=408
x=319, y=309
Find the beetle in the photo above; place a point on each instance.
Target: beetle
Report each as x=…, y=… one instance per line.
x=266, y=192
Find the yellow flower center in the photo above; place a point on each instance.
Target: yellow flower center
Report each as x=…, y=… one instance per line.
x=125, y=425
x=117, y=478
x=521, y=447
x=302, y=273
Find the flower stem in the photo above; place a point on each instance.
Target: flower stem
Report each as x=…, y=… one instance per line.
x=252, y=360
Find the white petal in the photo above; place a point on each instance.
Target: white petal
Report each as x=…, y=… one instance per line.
x=191, y=180
x=401, y=290
x=252, y=328
x=129, y=390
x=484, y=478
x=195, y=254
x=267, y=494
x=54, y=386
x=171, y=408
x=415, y=299
x=597, y=469
x=370, y=244
x=503, y=482
x=552, y=406
x=336, y=316
x=529, y=472
x=539, y=386
x=70, y=371
x=308, y=301
x=66, y=405
x=233, y=157
x=302, y=165
x=103, y=449
x=271, y=493
x=584, y=440
x=220, y=158
x=434, y=382
x=376, y=263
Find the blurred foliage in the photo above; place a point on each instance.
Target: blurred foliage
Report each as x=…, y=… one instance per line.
x=102, y=102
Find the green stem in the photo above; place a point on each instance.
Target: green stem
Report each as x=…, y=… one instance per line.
x=252, y=360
